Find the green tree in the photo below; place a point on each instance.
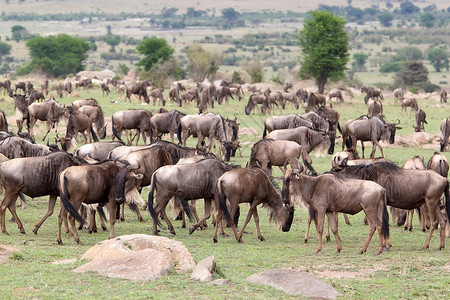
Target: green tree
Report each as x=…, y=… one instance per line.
x=154, y=50
x=408, y=53
x=57, y=55
x=18, y=32
x=324, y=43
x=413, y=74
x=438, y=58
x=4, y=49
x=202, y=63
x=385, y=19
x=230, y=14
x=255, y=70
x=407, y=8
x=427, y=20
x=360, y=60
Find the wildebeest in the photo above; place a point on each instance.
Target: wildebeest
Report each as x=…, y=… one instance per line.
x=368, y=129
x=409, y=102
x=443, y=96
x=256, y=99
x=253, y=186
x=5, y=85
x=167, y=122
x=138, y=119
x=445, y=132
x=79, y=103
x=20, y=86
x=254, y=89
x=267, y=153
x=335, y=93
x=157, y=94
x=36, y=95
x=105, y=89
x=174, y=93
x=420, y=116
x=95, y=113
x=99, y=150
x=29, y=88
x=3, y=121
x=331, y=115
x=330, y=193
x=398, y=94
x=15, y=147
x=111, y=182
x=285, y=122
x=407, y=189
x=187, y=182
x=232, y=85
x=315, y=100
x=374, y=108
x=21, y=103
x=371, y=93
x=139, y=88
x=49, y=111
x=79, y=122
x=302, y=94
x=34, y=177
x=308, y=138
x=85, y=83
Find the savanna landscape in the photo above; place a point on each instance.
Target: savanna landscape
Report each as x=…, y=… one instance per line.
x=263, y=34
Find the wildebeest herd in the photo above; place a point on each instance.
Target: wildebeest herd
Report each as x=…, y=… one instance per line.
x=105, y=174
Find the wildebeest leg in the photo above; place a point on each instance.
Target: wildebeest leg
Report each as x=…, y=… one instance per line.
x=112, y=206
x=442, y=223
x=12, y=209
x=160, y=208
x=347, y=221
x=319, y=228
x=332, y=222
x=409, y=220
x=61, y=215
x=432, y=208
x=205, y=217
x=51, y=207
x=10, y=198
x=256, y=219
x=249, y=216
x=307, y=229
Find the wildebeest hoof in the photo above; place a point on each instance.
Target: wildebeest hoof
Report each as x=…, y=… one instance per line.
x=262, y=239
x=59, y=242
x=191, y=230
x=35, y=231
x=183, y=226
x=328, y=239
x=173, y=232
x=12, y=220
x=214, y=240
x=122, y=219
x=306, y=241
x=104, y=228
x=22, y=231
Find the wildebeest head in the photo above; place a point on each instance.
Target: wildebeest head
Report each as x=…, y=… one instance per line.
x=288, y=190
x=128, y=184
x=391, y=128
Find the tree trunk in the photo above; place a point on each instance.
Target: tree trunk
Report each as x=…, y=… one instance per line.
x=321, y=84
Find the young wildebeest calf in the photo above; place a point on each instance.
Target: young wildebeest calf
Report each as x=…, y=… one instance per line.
x=330, y=193
x=253, y=186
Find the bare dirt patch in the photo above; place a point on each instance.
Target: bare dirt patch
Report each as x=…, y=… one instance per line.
x=5, y=252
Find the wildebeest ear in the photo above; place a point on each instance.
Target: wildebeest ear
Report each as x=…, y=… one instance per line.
x=398, y=127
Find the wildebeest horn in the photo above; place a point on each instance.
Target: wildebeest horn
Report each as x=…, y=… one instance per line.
x=398, y=122
x=131, y=167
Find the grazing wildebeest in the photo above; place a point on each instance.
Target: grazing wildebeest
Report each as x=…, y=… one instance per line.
x=49, y=111
x=20, y=86
x=256, y=99
x=443, y=96
x=15, y=147
x=138, y=119
x=409, y=102
x=445, y=132
x=309, y=139
x=223, y=93
x=79, y=103
x=34, y=177
x=253, y=186
x=342, y=157
x=315, y=100
x=105, y=89
x=267, y=153
x=79, y=122
x=329, y=193
x=225, y=83
x=253, y=88
x=331, y=115
x=85, y=83
x=398, y=94
x=207, y=98
x=187, y=182
x=59, y=88
x=68, y=87
x=420, y=116
x=95, y=113
x=374, y=108
x=335, y=93
x=275, y=99
x=186, y=97
x=157, y=94
x=407, y=189
x=174, y=93
x=291, y=97
x=29, y=88
x=21, y=104
x=3, y=121
x=371, y=93
x=373, y=129
x=302, y=94
x=99, y=150
x=167, y=122
x=36, y=95
x=139, y=88
x=285, y=122
x=111, y=182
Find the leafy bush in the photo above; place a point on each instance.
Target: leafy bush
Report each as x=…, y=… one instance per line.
x=429, y=87
x=391, y=67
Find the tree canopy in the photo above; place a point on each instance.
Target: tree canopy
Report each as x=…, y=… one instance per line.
x=154, y=50
x=324, y=43
x=57, y=55
x=438, y=58
x=201, y=62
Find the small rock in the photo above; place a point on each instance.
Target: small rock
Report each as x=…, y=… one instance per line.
x=203, y=270
x=64, y=261
x=220, y=281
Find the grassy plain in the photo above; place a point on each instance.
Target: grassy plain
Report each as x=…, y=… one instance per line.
x=404, y=272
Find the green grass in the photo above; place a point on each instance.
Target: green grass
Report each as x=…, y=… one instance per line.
x=404, y=272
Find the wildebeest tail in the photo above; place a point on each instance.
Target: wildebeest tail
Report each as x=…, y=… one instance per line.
x=67, y=204
x=114, y=129
x=187, y=210
x=28, y=122
x=339, y=127
x=150, y=201
x=402, y=221
x=223, y=202
x=385, y=220
x=94, y=135
x=312, y=213
x=447, y=200
x=265, y=131
x=348, y=142
x=22, y=197
x=310, y=167
x=179, y=133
